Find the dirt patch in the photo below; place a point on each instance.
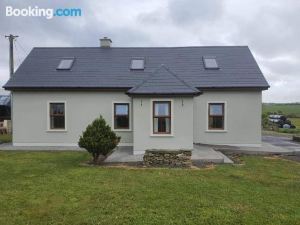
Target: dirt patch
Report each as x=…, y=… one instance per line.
x=272, y=157
x=140, y=165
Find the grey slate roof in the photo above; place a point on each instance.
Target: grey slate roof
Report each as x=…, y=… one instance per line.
x=161, y=82
x=96, y=67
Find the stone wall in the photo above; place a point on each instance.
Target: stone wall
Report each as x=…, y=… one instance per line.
x=168, y=158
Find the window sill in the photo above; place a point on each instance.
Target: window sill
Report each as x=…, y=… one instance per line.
x=216, y=131
x=58, y=131
x=121, y=130
x=161, y=135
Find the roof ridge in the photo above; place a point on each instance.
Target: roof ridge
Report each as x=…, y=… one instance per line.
x=149, y=47
x=170, y=72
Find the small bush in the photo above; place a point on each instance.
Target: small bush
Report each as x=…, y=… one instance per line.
x=98, y=139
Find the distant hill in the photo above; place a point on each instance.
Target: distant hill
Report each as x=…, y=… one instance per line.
x=291, y=110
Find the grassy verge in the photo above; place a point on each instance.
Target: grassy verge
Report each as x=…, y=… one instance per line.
x=5, y=138
x=52, y=188
x=275, y=133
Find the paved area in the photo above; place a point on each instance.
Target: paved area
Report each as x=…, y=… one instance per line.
x=201, y=154
x=206, y=153
x=270, y=145
x=124, y=154
x=283, y=142
x=9, y=146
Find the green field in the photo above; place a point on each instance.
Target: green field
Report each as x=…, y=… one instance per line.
x=43, y=188
x=291, y=110
x=296, y=122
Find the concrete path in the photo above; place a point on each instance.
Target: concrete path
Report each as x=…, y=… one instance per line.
x=270, y=145
x=282, y=142
x=124, y=154
x=200, y=154
x=9, y=146
x=206, y=153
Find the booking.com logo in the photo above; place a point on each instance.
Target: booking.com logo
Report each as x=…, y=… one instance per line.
x=49, y=13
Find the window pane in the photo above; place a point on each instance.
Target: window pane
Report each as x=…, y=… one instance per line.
x=216, y=122
x=65, y=64
x=121, y=109
x=57, y=122
x=210, y=62
x=216, y=109
x=57, y=116
x=162, y=125
x=57, y=108
x=137, y=64
x=161, y=109
x=121, y=122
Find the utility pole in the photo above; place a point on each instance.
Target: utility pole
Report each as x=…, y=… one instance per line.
x=11, y=72
x=11, y=53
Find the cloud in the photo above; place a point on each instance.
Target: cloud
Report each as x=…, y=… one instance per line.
x=189, y=12
x=270, y=28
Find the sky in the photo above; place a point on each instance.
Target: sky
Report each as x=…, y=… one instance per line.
x=269, y=27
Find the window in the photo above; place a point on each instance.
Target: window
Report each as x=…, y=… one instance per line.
x=121, y=115
x=57, y=116
x=210, y=62
x=216, y=116
x=65, y=64
x=161, y=117
x=137, y=64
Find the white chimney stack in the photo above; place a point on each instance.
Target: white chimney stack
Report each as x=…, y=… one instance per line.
x=105, y=42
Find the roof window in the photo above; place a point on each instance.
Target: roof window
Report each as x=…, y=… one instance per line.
x=137, y=64
x=210, y=62
x=65, y=64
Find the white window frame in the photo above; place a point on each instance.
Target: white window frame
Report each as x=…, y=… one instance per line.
x=152, y=134
x=113, y=116
x=225, y=117
x=48, y=117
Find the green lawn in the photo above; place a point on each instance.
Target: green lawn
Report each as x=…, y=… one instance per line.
x=52, y=188
x=5, y=138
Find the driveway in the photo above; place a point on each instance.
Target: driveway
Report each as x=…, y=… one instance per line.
x=283, y=142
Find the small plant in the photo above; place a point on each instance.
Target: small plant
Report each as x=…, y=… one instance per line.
x=264, y=120
x=98, y=139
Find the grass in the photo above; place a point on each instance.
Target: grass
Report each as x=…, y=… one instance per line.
x=290, y=110
x=5, y=138
x=52, y=188
x=290, y=131
x=295, y=121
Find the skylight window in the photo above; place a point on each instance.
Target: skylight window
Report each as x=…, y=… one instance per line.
x=210, y=62
x=137, y=64
x=65, y=64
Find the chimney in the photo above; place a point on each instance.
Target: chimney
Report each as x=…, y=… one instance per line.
x=105, y=42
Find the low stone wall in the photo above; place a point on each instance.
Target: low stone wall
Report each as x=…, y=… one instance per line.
x=168, y=158
x=296, y=138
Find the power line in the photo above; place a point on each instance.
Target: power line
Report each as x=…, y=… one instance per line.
x=21, y=47
x=17, y=53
